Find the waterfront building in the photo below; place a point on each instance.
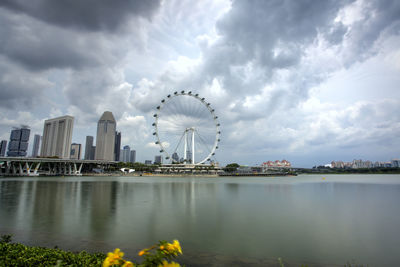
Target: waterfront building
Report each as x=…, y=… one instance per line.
x=105, y=139
x=396, y=163
x=175, y=157
x=117, y=148
x=158, y=159
x=133, y=156
x=57, y=137
x=88, y=147
x=126, y=154
x=75, y=151
x=276, y=164
x=18, y=144
x=3, y=146
x=36, y=146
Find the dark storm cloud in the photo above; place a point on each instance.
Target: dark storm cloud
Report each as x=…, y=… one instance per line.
x=92, y=15
x=75, y=36
x=19, y=89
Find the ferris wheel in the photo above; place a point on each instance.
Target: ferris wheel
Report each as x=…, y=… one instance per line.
x=186, y=128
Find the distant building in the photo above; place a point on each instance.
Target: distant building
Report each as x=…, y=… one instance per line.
x=57, y=137
x=126, y=154
x=89, y=154
x=93, y=152
x=175, y=157
x=36, y=146
x=105, y=139
x=117, y=148
x=147, y=162
x=3, y=147
x=158, y=159
x=396, y=163
x=276, y=164
x=18, y=144
x=133, y=156
x=75, y=151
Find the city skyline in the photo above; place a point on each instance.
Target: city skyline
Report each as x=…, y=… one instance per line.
x=305, y=81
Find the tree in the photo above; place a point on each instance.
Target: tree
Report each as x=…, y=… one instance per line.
x=232, y=167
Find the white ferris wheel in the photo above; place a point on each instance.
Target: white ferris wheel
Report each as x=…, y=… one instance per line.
x=186, y=129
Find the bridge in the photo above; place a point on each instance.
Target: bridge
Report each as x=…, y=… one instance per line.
x=21, y=166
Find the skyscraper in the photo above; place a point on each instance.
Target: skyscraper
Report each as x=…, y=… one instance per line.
x=75, y=151
x=89, y=147
x=126, y=154
x=3, y=146
x=105, y=139
x=36, y=144
x=57, y=137
x=133, y=156
x=18, y=144
x=117, y=148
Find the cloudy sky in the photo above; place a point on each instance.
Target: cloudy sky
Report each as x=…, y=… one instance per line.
x=308, y=81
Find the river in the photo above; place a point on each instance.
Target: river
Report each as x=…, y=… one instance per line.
x=318, y=220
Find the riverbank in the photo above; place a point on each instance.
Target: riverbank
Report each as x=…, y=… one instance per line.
x=16, y=254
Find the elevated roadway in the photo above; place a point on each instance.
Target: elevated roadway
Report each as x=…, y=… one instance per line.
x=24, y=166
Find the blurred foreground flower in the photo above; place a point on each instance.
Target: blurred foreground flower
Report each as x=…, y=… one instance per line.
x=157, y=255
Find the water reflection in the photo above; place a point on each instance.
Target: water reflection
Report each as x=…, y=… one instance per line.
x=303, y=220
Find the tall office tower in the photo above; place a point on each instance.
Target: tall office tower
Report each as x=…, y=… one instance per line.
x=133, y=156
x=3, y=146
x=126, y=154
x=57, y=137
x=105, y=139
x=18, y=144
x=158, y=159
x=88, y=147
x=75, y=151
x=36, y=144
x=117, y=148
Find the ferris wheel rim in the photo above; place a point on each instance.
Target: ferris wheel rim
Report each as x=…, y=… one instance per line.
x=211, y=111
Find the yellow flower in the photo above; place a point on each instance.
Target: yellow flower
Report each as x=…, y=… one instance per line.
x=128, y=264
x=162, y=247
x=177, y=246
x=142, y=252
x=106, y=262
x=113, y=258
x=174, y=248
x=167, y=264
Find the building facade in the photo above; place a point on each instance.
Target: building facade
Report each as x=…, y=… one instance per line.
x=36, y=145
x=18, y=144
x=89, y=148
x=75, y=151
x=158, y=159
x=117, y=148
x=133, y=156
x=105, y=139
x=57, y=137
x=126, y=154
x=3, y=148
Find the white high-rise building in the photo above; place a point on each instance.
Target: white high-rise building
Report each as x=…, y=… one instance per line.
x=57, y=137
x=126, y=154
x=105, y=139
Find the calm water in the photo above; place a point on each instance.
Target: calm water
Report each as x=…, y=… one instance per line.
x=219, y=221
